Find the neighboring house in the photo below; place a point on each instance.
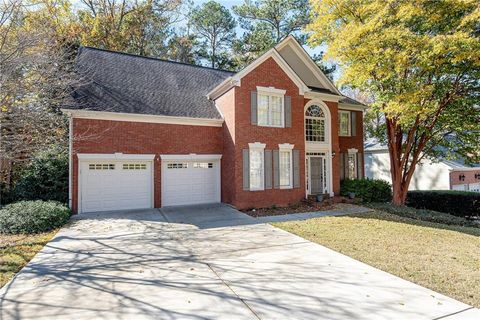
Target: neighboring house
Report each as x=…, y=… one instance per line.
x=150, y=133
x=465, y=179
x=428, y=175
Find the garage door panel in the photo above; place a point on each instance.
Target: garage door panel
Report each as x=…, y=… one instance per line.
x=190, y=182
x=117, y=187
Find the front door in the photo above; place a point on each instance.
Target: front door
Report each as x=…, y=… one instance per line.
x=316, y=175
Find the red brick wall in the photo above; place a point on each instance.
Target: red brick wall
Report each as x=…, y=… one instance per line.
x=226, y=105
x=355, y=142
x=268, y=74
x=102, y=136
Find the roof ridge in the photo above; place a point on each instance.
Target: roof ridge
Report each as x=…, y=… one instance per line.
x=152, y=58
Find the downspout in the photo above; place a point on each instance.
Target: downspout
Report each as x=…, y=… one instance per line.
x=70, y=162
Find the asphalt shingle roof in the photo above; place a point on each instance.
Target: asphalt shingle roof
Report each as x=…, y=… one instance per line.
x=119, y=82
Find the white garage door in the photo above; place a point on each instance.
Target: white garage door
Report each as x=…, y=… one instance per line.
x=115, y=185
x=190, y=182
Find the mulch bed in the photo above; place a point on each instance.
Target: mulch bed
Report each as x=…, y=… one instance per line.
x=278, y=211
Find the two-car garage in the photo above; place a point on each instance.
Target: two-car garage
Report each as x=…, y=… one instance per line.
x=110, y=182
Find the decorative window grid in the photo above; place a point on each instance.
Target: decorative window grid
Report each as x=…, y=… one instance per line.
x=203, y=165
x=134, y=166
x=314, y=111
x=315, y=124
x=316, y=153
x=177, y=165
x=344, y=127
x=285, y=168
x=270, y=110
x=101, y=166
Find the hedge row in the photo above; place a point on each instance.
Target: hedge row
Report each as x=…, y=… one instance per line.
x=33, y=216
x=457, y=203
x=368, y=190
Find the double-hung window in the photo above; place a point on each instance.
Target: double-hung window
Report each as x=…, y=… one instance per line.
x=345, y=129
x=352, y=166
x=285, y=165
x=270, y=107
x=256, y=156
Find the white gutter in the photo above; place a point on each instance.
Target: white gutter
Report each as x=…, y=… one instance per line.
x=148, y=118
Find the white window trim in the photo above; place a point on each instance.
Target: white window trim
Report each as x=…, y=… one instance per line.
x=324, y=118
x=190, y=157
x=355, y=160
x=257, y=146
x=287, y=147
x=114, y=156
x=353, y=150
x=349, y=134
x=270, y=92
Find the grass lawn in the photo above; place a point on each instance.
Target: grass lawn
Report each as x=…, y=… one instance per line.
x=445, y=258
x=17, y=250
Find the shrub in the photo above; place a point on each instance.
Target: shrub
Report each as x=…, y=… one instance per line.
x=367, y=189
x=423, y=214
x=45, y=178
x=33, y=216
x=457, y=203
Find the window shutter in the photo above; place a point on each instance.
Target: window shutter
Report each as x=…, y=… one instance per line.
x=268, y=169
x=359, y=165
x=288, y=112
x=296, y=168
x=353, y=120
x=342, y=166
x=246, y=169
x=276, y=170
x=253, y=107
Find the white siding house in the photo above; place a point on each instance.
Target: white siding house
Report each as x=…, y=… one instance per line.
x=428, y=175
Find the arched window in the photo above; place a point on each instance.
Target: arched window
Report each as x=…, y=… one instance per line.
x=314, y=124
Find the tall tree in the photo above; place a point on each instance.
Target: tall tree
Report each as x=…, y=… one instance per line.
x=267, y=22
x=36, y=73
x=421, y=62
x=181, y=48
x=135, y=26
x=216, y=26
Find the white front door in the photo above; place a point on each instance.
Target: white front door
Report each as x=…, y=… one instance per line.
x=190, y=182
x=115, y=185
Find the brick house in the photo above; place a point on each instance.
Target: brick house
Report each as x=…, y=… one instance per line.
x=150, y=133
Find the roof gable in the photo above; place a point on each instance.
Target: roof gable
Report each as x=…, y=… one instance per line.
x=296, y=56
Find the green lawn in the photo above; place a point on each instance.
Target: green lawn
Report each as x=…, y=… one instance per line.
x=445, y=258
x=17, y=250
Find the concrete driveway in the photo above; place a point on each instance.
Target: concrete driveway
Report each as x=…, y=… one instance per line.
x=206, y=262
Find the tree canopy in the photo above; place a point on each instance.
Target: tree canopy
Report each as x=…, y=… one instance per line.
x=216, y=26
x=420, y=60
x=267, y=22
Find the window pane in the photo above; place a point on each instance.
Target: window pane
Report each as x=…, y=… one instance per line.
x=276, y=111
x=352, y=166
x=256, y=169
x=344, y=123
x=285, y=168
x=262, y=109
x=315, y=129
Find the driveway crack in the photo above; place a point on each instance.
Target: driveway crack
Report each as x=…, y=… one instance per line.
x=233, y=291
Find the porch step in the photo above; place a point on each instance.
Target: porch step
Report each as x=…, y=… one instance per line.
x=312, y=200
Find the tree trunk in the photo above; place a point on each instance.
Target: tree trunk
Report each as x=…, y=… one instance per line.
x=399, y=192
